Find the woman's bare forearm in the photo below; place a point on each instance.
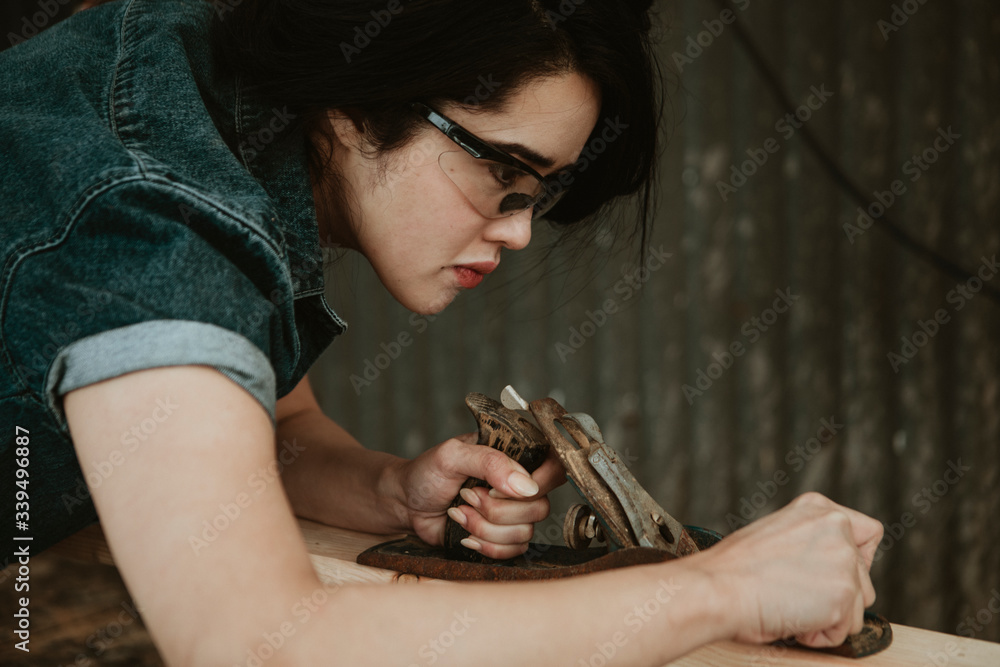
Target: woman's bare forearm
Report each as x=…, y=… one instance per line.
x=331, y=478
x=637, y=616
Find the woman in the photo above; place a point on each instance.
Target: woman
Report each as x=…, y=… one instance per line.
x=173, y=166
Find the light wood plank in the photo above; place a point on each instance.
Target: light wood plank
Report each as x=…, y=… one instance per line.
x=910, y=646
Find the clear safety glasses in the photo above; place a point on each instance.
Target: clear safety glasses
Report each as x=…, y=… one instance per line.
x=497, y=184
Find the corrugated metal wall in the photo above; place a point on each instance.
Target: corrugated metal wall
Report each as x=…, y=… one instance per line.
x=812, y=402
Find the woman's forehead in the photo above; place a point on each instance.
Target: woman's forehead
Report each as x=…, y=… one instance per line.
x=550, y=117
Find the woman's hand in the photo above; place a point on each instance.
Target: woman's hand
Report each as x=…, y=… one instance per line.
x=801, y=572
x=501, y=521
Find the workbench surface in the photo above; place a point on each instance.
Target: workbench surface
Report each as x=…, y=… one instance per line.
x=333, y=552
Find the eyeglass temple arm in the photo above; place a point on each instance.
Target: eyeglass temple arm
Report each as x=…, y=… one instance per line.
x=473, y=145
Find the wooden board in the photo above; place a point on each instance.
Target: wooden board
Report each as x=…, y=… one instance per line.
x=333, y=551
x=910, y=646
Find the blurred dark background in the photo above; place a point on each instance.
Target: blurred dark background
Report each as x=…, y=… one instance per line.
x=878, y=386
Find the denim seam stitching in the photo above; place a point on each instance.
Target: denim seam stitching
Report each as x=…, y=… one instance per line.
x=113, y=93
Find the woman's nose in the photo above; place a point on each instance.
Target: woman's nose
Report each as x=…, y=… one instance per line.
x=514, y=232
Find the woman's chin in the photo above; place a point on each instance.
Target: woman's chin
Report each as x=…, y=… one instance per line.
x=427, y=304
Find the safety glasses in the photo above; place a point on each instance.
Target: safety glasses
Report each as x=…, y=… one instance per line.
x=497, y=184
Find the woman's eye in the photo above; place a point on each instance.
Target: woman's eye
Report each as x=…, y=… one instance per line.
x=505, y=176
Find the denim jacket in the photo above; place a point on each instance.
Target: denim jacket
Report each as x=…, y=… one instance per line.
x=155, y=213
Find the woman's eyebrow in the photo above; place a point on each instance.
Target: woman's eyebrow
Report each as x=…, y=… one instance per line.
x=525, y=153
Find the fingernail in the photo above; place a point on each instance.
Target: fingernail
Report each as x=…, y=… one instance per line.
x=470, y=496
x=458, y=515
x=471, y=543
x=494, y=493
x=524, y=485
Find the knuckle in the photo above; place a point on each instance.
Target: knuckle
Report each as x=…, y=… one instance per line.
x=540, y=509
x=845, y=592
x=495, y=463
x=503, y=551
x=490, y=511
x=811, y=498
x=492, y=550
x=836, y=616
x=870, y=596
x=836, y=519
x=445, y=455
x=474, y=523
x=877, y=528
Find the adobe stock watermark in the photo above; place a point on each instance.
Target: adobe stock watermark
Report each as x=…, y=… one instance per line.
x=250, y=320
x=750, y=506
x=302, y=611
x=428, y=147
x=73, y=328
x=391, y=350
x=99, y=471
x=223, y=7
x=942, y=658
x=255, y=142
x=432, y=651
x=901, y=13
x=927, y=329
x=32, y=24
x=924, y=500
x=751, y=331
x=635, y=620
x=631, y=282
x=772, y=653
x=915, y=167
x=363, y=35
x=786, y=127
x=976, y=623
x=696, y=44
x=102, y=639
x=258, y=481
x=565, y=9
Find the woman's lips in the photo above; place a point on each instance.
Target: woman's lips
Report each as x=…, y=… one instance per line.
x=470, y=275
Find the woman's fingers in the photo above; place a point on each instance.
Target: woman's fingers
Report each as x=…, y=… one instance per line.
x=501, y=528
x=551, y=474
x=492, y=550
x=503, y=511
x=500, y=519
x=460, y=460
x=802, y=571
x=867, y=587
x=491, y=533
x=851, y=624
x=865, y=531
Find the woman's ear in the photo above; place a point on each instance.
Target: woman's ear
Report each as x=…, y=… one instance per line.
x=347, y=129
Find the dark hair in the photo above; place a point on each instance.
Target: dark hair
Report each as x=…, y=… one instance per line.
x=372, y=59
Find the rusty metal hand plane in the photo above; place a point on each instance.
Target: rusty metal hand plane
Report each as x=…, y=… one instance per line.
x=617, y=511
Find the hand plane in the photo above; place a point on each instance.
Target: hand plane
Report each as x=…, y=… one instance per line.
x=616, y=511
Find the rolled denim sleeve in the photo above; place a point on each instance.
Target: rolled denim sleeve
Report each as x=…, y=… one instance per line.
x=149, y=275
x=157, y=343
